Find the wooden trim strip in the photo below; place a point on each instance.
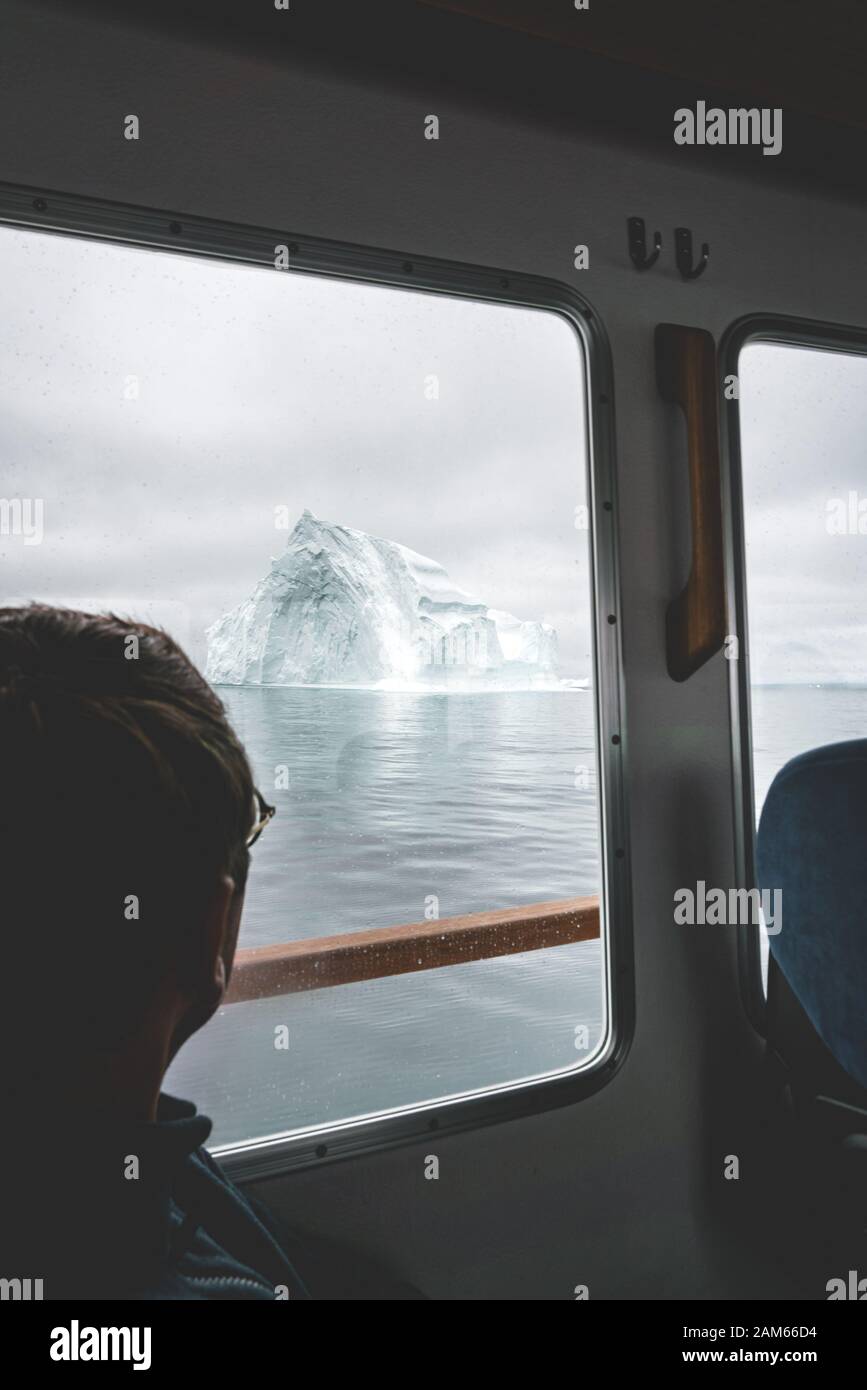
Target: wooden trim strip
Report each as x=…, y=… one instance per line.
x=262, y=972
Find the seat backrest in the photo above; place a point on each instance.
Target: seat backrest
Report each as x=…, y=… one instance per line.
x=812, y=845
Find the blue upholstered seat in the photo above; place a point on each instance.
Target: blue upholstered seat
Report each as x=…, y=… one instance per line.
x=812, y=844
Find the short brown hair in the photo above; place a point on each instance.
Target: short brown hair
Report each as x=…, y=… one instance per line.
x=121, y=783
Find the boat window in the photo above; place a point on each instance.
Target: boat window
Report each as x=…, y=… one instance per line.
x=803, y=421
x=364, y=511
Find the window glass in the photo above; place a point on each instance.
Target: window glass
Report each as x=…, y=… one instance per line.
x=803, y=424
x=363, y=512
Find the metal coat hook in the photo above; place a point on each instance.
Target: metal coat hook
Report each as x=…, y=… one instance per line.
x=638, y=244
x=683, y=254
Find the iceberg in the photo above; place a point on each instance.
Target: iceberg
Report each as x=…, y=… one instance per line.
x=340, y=607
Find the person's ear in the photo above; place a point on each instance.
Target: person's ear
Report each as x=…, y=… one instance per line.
x=219, y=937
x=205, y=971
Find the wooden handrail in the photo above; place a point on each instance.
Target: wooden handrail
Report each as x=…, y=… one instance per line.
x=686, y=374
x=262, y=972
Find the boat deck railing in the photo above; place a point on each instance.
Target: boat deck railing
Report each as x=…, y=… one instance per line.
x=322, y=962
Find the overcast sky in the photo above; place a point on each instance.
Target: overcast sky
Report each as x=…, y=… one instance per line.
x=260, y=389
x=804, y=435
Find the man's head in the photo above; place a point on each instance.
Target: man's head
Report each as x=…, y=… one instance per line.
x=126, y=805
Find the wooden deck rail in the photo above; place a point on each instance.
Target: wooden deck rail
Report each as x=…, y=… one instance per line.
x=262, y=972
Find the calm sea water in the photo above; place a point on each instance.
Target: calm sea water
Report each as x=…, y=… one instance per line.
x=392, y=798
x=788, y=720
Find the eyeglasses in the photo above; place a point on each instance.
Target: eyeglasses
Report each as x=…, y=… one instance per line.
x=264, y=813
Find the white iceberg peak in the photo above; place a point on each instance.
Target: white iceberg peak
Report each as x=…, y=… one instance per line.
x=342, y=607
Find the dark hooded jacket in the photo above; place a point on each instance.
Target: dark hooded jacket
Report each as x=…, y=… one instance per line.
x=144, y=1212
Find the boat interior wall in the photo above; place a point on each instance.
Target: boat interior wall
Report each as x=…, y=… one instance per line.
x=588, y=1193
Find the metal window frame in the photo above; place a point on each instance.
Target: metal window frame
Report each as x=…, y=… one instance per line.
x=96, y=219
x=789, y=331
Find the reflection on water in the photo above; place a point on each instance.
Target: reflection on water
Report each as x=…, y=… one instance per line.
x=385, y=799
x=395, y=796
